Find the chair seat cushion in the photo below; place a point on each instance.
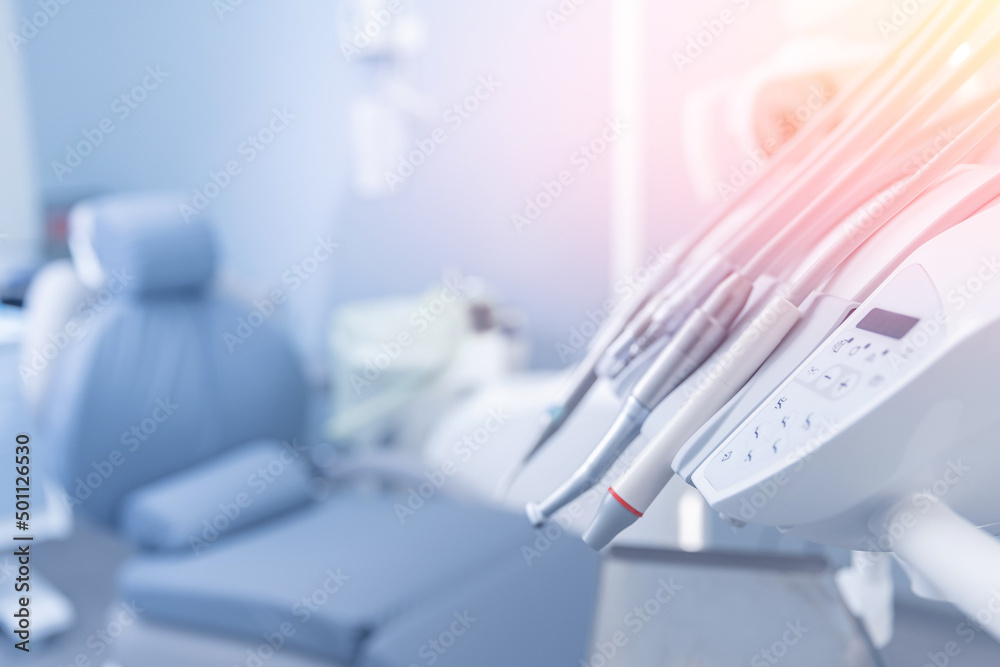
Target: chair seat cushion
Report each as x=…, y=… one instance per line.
x=532, y=609
x=327, y=578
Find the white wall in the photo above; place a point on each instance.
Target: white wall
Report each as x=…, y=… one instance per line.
x=20, y=214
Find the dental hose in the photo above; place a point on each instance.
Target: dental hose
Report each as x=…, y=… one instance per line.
x=662, y=313
x=634, y=492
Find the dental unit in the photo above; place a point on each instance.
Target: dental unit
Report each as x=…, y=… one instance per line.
x=702, y=332
x=631, y=495
x=669, y=297
x=849, y=189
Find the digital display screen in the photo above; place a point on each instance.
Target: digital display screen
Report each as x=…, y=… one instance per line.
x=888, y=324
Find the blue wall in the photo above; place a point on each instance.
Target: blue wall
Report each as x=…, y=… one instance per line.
x=224, y=78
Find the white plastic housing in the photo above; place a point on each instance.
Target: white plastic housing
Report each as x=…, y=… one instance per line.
x=869, y=420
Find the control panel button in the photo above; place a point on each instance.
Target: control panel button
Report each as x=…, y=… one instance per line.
x=810, y=374
x=842, y=344
x=828, y=378
x=844, y=386
x=761, y=433
x=808, y=423
x=788, y=421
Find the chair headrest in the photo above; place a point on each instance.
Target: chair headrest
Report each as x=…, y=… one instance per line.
x=145, y=239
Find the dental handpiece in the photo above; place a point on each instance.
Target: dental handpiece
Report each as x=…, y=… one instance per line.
x=694, y=343
x=675, y=360
x=664, y=283
x=678, y=359
x=674, y=302
x=584, y=376
x=631, y=496
x=836, y=201
x=686, y=293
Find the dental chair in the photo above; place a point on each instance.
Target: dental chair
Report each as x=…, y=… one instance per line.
x=190, y=446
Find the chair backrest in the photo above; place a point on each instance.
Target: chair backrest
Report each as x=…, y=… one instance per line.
x=167, y=374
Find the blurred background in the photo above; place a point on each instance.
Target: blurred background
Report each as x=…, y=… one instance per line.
x=361, y=167
x=227, y=68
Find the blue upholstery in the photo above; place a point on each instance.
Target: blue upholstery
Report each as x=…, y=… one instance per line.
x=145, y=238
x=511, y=614
x=153, y=388
x=191, y=510
x=338, y=572
x=152, y=402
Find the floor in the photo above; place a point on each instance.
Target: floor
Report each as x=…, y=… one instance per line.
x=84, y=566
x=925, y=637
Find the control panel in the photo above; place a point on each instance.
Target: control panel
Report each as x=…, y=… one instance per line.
x=876, y=349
